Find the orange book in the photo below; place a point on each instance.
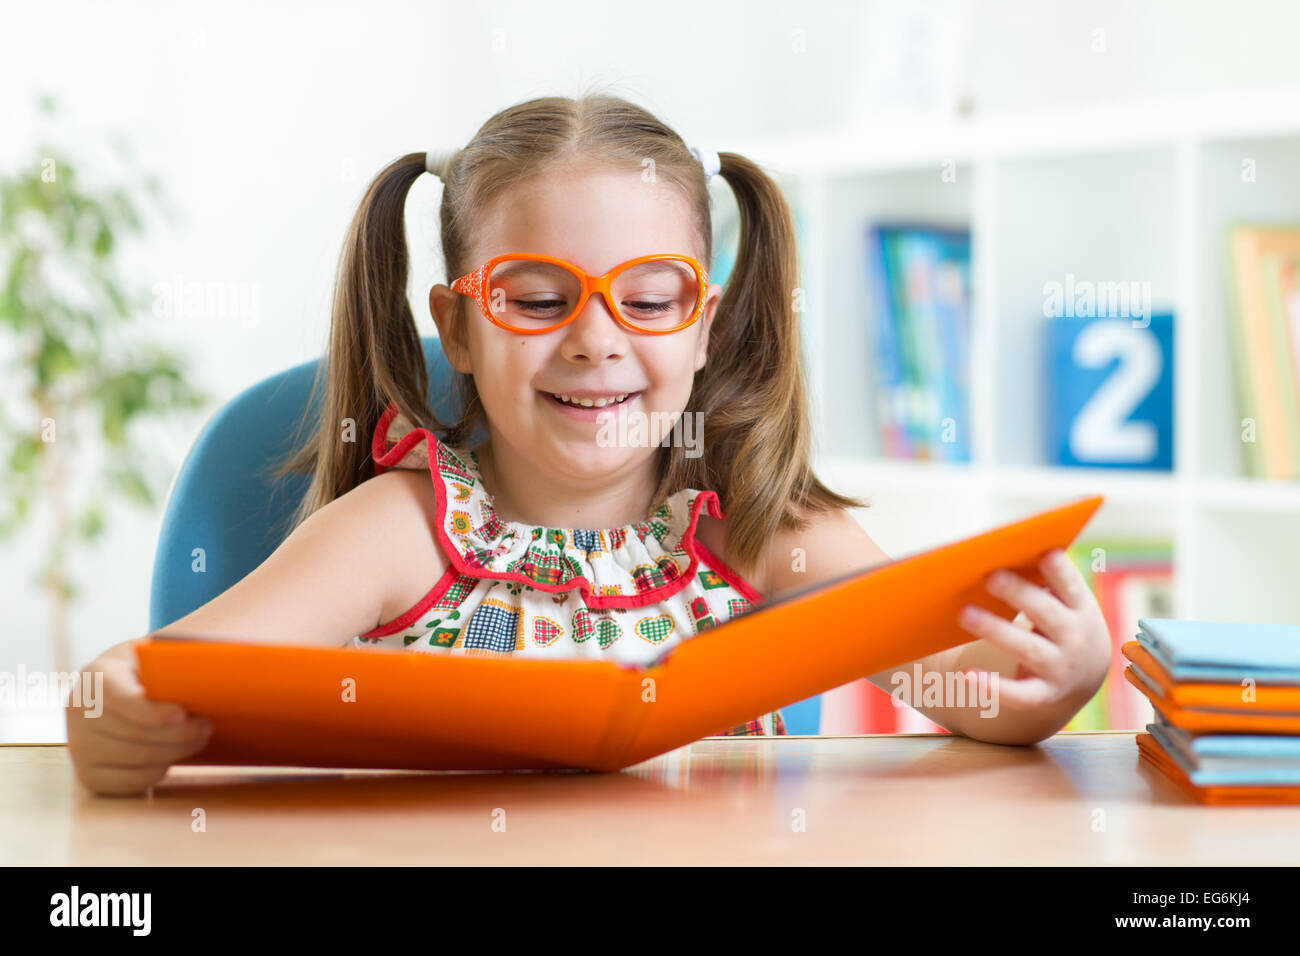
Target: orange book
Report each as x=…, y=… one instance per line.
x=377, y=707
x=1151, y=750
x=1268, y=697
x=1220, y=720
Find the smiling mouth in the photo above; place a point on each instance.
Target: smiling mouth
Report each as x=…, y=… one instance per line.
x=607, y=401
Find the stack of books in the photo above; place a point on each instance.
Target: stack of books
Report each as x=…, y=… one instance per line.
x=1265, y=267
x=1226, y=698
x=921, y=284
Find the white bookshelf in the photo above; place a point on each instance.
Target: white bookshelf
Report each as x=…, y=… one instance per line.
x=1142, y=191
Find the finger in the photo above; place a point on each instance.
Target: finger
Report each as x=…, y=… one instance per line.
x=1032, y=650
x=110, y=751
x=126, y=699
x=109, y=713
x=120, y=781
x=1065, y=579
x=1038, y=604
x=113, y=725
x=1021, y=693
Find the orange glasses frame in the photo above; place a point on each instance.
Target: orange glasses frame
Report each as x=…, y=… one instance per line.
x=474, y=285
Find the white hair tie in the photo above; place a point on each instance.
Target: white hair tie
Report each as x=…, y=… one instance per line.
x=438, y=161
x=709, y=160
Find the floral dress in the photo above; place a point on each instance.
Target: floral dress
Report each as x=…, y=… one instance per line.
x=620, y=594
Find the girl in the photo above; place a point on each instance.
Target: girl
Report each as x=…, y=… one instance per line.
x=585, y=335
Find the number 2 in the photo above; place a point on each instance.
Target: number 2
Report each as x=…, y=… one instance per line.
x=1101, y=431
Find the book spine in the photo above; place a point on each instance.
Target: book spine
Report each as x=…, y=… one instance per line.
x=890, y=393
x=951, y=311
x=1254, y=377
x=908, y=345
x=1291, y=305
x=921, y=261
x=1288, y=416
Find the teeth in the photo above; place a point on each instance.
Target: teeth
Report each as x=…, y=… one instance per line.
x=592, y=402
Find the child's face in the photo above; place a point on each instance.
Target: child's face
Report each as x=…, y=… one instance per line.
x=596, y=218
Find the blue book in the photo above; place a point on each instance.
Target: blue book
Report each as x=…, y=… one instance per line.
x=921, y=285
x=1223, y=651
x=950, y=252
x=915, y=262
x=891, y=381
x=1205, y=771
x=1231, y=748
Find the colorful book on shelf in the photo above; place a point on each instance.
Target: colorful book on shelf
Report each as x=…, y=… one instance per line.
x=890, y=378
x=1291, y=309
x=936, y=268
x=1264, y=349
x=916, y=421
x=920, y=278
x=1131, y=580
x=291, y=705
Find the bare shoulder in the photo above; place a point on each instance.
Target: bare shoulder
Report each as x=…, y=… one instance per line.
x=830, y=544
x=332, y=577
x=406, y=507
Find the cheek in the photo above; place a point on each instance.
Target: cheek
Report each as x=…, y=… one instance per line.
x=671, y=376
x=504, y=368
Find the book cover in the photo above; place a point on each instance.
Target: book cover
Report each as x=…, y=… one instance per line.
x=378, y=707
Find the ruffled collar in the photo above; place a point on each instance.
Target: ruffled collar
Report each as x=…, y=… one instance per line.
x=629, y=566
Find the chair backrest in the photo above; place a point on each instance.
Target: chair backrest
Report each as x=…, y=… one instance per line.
x=224, y=500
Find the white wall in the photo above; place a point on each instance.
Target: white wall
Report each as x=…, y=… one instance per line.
x=265, y=121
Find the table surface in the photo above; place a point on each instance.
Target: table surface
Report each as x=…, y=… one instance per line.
x=910, y=799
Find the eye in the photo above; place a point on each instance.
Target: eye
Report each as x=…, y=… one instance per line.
x=535, y=306
x=652, y=307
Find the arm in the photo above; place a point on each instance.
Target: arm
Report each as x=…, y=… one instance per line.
x=1030, y=707
x=330, y=579
x=834, y=544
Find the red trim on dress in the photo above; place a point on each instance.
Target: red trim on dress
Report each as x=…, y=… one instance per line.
x=654, y=595
x=730, y=576
x=417, y=609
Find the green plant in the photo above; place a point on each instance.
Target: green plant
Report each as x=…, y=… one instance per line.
x=85, y=378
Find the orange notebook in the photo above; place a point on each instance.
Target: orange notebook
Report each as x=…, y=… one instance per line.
x=1247, y=719
x=1274, y=697
x=289, y=705
x=1150, y=749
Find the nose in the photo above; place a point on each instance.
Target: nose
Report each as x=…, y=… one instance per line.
x=595, y=334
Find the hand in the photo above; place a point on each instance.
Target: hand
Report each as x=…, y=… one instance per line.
x=1059, y=639
x=128, y=747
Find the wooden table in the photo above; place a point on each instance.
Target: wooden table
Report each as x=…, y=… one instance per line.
x=1077, y=798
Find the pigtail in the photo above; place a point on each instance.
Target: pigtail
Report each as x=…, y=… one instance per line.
x=757, y=436
x=375, y=353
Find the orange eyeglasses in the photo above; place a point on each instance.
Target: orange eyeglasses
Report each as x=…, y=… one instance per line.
x=530, y=293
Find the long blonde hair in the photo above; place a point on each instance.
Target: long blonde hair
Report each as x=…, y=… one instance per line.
x=750, y=389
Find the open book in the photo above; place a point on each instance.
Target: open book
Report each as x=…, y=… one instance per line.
x=388, y=708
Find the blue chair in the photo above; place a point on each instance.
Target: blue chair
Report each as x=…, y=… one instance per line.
x=225, y=501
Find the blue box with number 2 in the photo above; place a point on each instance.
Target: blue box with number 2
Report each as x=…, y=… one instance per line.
x=1110, y=391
